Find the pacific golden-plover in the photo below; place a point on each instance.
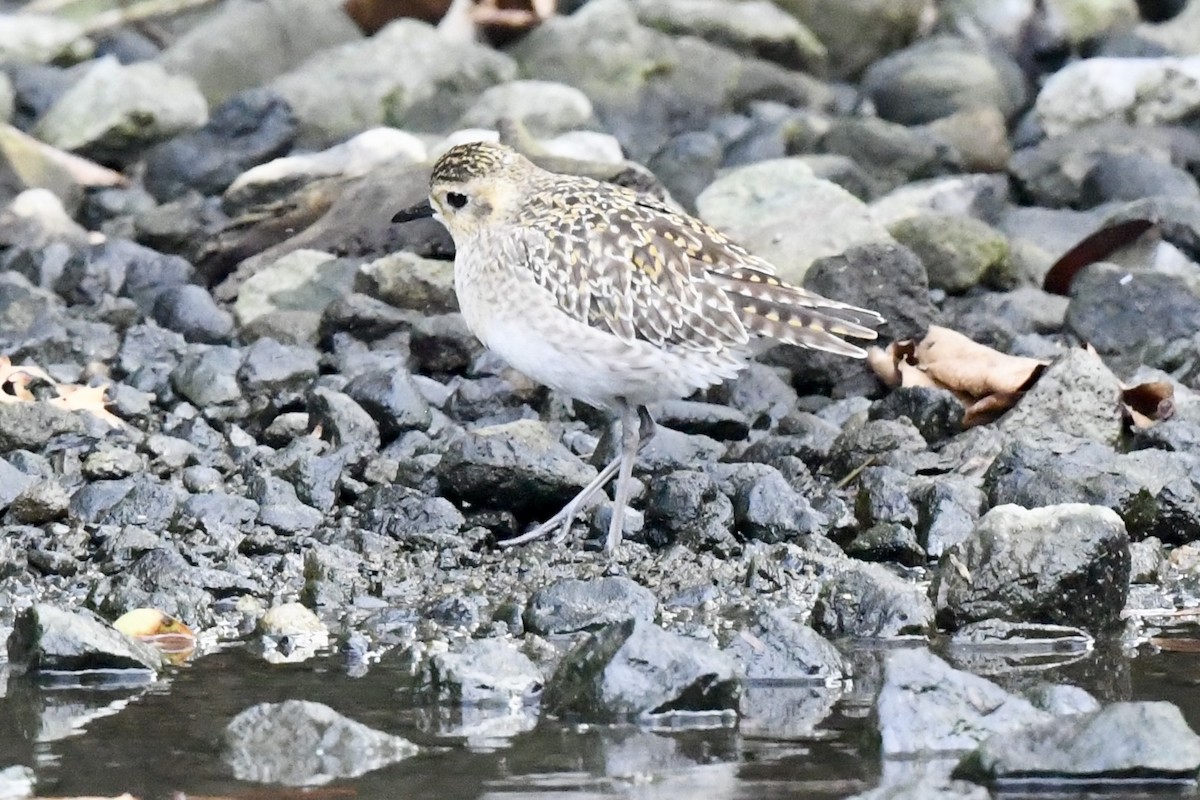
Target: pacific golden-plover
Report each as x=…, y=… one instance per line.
x=611, y=297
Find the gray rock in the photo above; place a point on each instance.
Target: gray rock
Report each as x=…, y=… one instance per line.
x=1135, y=742
x=279, y=507
x=546, y=108
x=884, y=442
x=767, y=508
x=115, y=111
x=28, y=426
x=867, y=601
x=886, y=278
x=958, y=252
x=106, y=462
x=17, y=782
x=207, y=375
x=780, y=211
x=191, y=311
x=42, y=39
x=754, y=28
x=342, y=420
x=407, y=75
x=687, y=507
x=573, y=605
x=250, y=128
x=47, y=638
x=1061, y=699
x=947, y=510
x=410, y=517
x=7, y=98
x=1109, y=305
x=926, y=707
x=300, y=743
x=516, y=466
x=393, y=400
x=687, y=164
x=936, y=413
x=1066, y=564
x=1076, y=396
x=1145, y=91
x=1132, y=176
x=647, y=86
x=857, y=34
x=484, y=672
x=277, y=371
x=890, y=154
x=12, y=482
x=983, y=197
x=406, y=280
x=633, y=669
x=303, y=280
x=707, y=419
x=778, y=648
x=937, y=77
x=243, y=45
x=1146, y=560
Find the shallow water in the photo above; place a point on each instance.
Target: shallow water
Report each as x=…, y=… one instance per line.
x=798, y=742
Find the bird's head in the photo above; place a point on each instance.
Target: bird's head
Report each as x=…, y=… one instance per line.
x=473, y=185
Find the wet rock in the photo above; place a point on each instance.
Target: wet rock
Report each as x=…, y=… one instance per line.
x=572, y=605
x=778, y=648
x=410, y=517
x=867, y=601
x=947, y=511
x=1146, y=91
x=208, y=376
x=1065, y=564
x=604, y=51
x=300, y=743
x=515, y=465
x=926, y=787
x=406, y=280
x=707, y=419
x=191, y=311
x=484, y=672
x=634, y=668
x=247, y=130
x=408, y=75
x=937, y=77
x=958, y=252
x=47, y=638
x=545, y=108
x=687, y=507
x=114, y=111
x=926, y=707
x=1109, y=308
x=767, y=508
x=936, y=413
x=753, y=28
x=342, y=420
x=1132, y=741
x=857, y=34
x=1061, y=699
x=393, y=400
x=771, y=208
x=279, y=507
x=1146, y=560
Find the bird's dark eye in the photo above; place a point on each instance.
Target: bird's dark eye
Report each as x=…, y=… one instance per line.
x=456, y=199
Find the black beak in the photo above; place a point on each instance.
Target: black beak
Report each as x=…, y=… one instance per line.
x=421, y=210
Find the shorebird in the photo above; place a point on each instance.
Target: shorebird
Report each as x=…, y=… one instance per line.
x=611, y=297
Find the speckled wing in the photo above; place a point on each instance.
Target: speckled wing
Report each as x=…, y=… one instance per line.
x=631, y=265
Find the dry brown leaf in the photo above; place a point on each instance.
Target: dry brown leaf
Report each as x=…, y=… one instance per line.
x=962, y=365
x=1147, y=403
x=1176, y=645
x=15, y=382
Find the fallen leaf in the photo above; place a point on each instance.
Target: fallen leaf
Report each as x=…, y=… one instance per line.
x=1147, y=403
x=1176, y=645
x=86, y=398
x=167, y=634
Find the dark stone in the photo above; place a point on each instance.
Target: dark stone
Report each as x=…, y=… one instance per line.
x=1132, y=176
x=342, y=420
x=876, y=442
x=393, y=400
x=409, y=516
x=250, y=128
x=927, y=707
x=947, y=511
x=885, y=278
x=1064, y=564
x=888, y=541
x=277, y=373
x=936, y=413
x=867, y=601
x=687, y=164
x=29, y=426
x=443, y=344
x=207, y=375
x=634, y=668
x=779, y=648
x=1133, y=743
x=148, y=356
x=318, y=479
x=46, y=638
x=891, y=154
x=364, y=318
x=279, y=507
x=707, y=419
x=768, y=509
x=686, y=507
x=1124, y=313
x=572, y=605
x=191, y=311
x=217, y=512
x=516, y=466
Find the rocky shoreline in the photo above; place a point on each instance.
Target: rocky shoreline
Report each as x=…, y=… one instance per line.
x=300, y=444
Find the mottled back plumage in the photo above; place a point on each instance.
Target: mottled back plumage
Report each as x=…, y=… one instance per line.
x=633, y=266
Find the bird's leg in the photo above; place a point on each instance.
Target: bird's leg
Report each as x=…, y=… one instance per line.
x=563, y=519
x=632, y=440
